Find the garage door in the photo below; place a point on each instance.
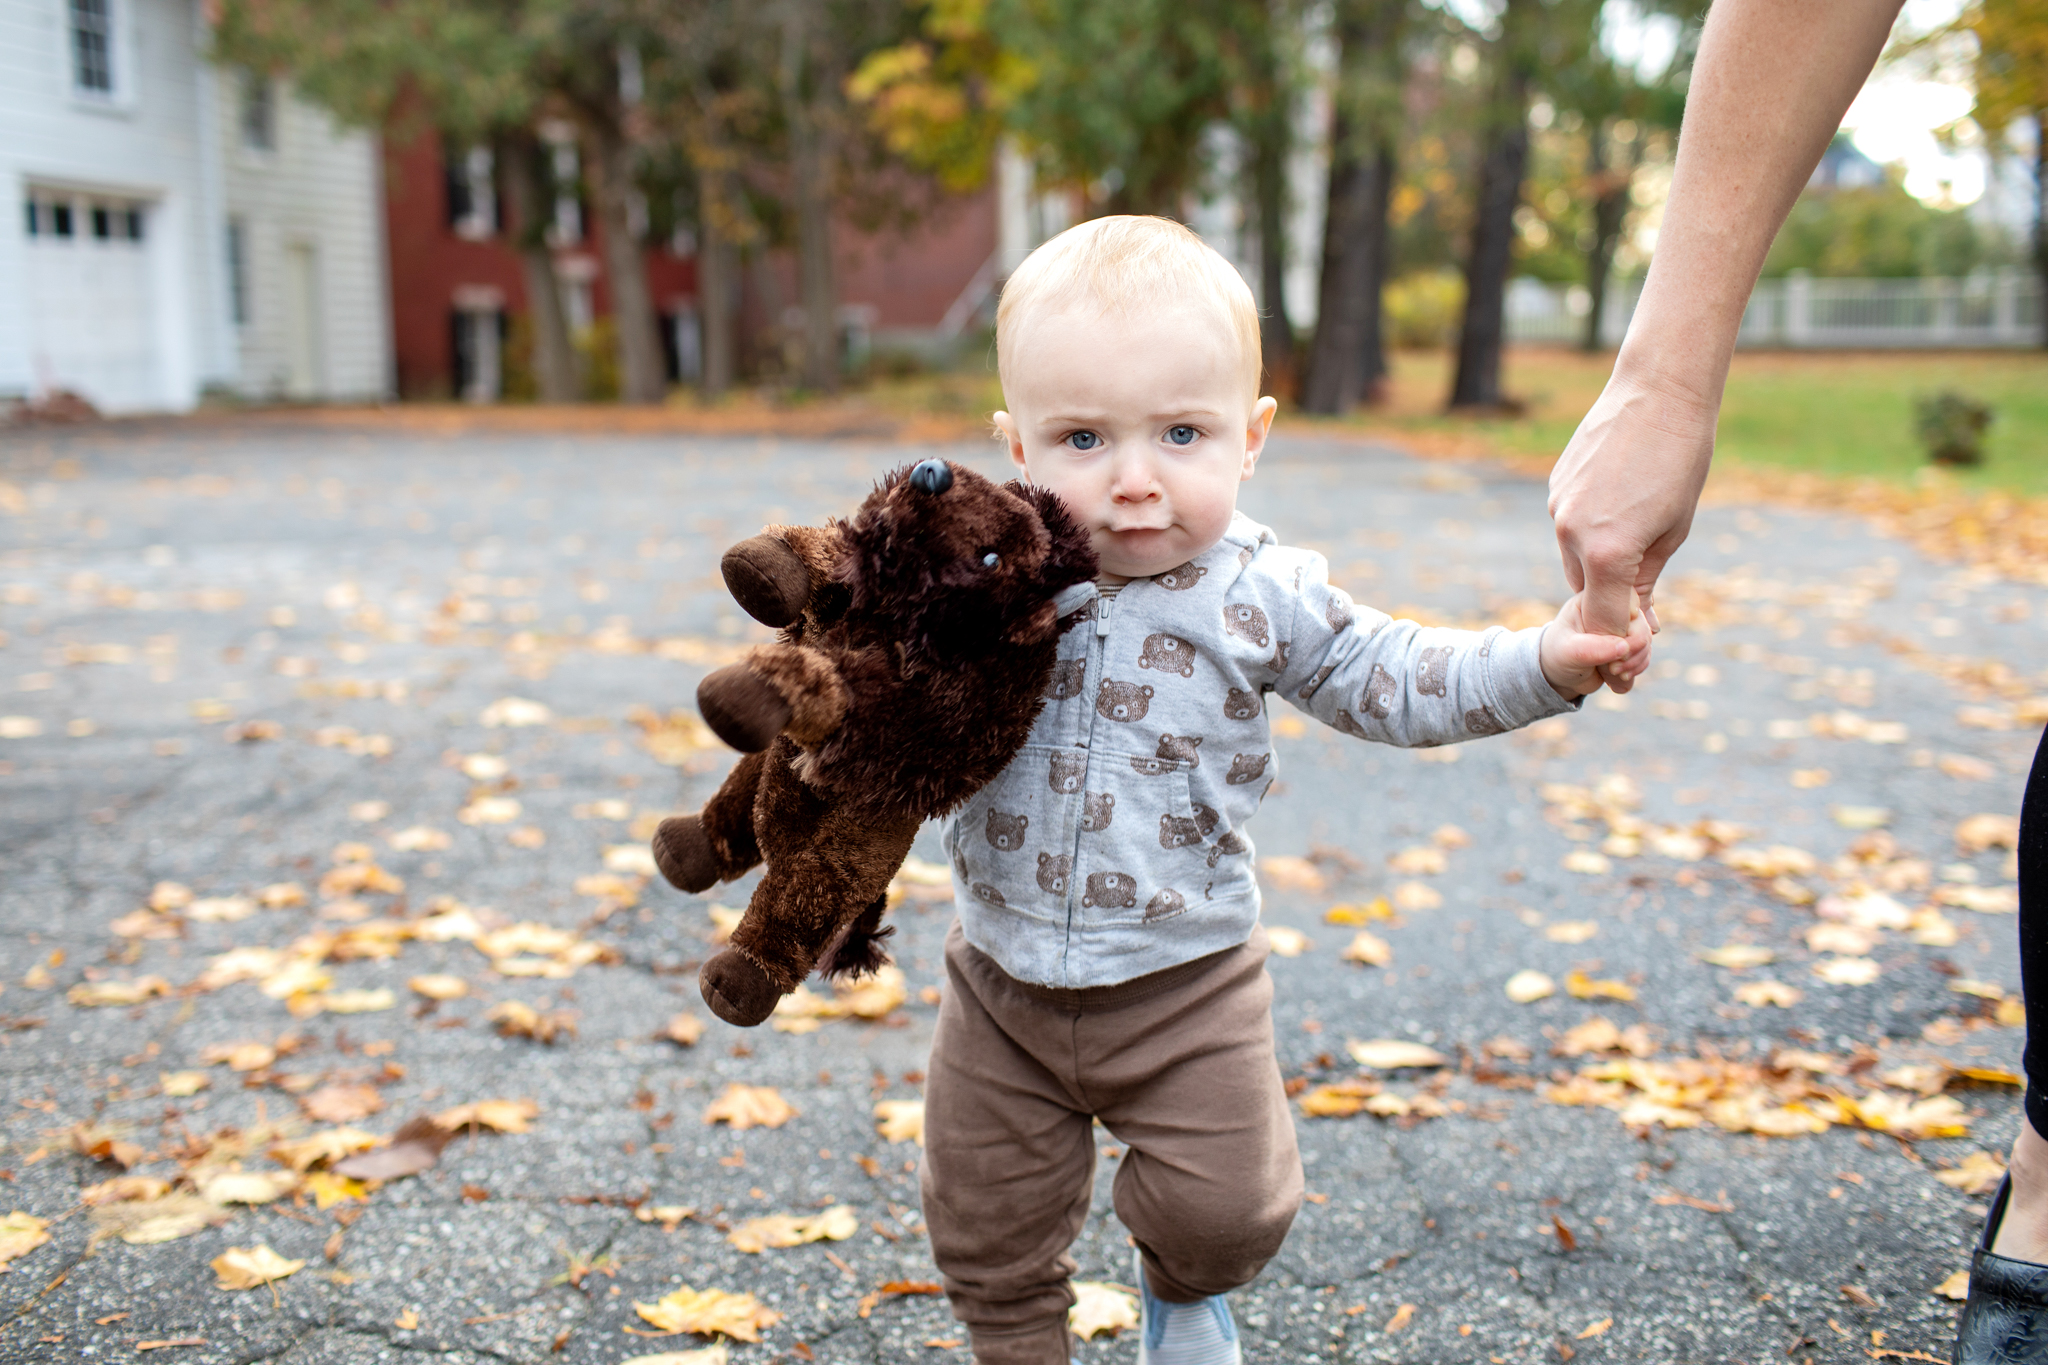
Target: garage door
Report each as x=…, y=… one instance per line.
x=91, y=314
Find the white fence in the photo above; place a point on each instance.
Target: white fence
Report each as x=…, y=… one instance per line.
x=2001, y=309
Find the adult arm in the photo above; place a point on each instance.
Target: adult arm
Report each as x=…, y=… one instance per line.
x=1768, y=91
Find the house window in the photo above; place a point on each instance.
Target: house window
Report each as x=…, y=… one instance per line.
x=92, y=46
x=49, y=217
x=238, y=272
x=258, y=112
x=472, y=195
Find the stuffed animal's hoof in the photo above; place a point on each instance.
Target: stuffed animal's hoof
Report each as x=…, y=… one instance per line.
x=742, y=708
x=683, y=853
x=737, y=990
x=767, y=579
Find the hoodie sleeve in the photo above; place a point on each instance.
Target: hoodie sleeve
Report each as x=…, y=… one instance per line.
x=1397, y=682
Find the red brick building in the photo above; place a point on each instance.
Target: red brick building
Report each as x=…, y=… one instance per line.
x=458, y=291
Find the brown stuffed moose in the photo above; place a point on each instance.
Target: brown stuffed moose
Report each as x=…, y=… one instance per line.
x=917, y=646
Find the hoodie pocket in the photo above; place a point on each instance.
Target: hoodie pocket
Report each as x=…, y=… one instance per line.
x=1006, y=843
x=1142, y=840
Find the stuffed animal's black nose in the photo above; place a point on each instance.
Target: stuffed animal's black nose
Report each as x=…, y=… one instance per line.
x=932, y=476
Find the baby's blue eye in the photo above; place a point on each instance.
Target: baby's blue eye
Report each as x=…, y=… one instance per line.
x=1181, y=436
x=1084, y=440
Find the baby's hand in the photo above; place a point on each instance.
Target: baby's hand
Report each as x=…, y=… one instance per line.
x=1576, y=661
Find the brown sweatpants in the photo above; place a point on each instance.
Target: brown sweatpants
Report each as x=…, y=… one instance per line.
x=1180, y=1068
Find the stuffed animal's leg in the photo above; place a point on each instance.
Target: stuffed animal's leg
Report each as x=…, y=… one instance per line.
x=717, y=843
x=802, y=909
x=774, y=575
x=775, y=689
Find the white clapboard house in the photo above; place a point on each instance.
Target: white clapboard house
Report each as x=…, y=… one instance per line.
x=178, y=228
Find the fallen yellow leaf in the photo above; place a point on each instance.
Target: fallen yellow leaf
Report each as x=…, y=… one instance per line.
x=1582, y=987
x=1379, y=908
x=1286, y=942
x=21, y=1233
x=1391, y=1054
x=835, y=1224
x=1100, y=1308
x=708, y=1312
x=1529, y=985
x=749, y=1106
x=1956, y=1286
x=1760, y=993
x=1288, y=873
x=901, y=1120
x=1738, y=956
x=1370, y=949
x=246, y=1268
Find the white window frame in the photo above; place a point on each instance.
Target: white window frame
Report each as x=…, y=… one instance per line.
x=120, y=35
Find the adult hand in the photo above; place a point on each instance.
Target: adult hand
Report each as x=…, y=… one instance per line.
x=1622, y=497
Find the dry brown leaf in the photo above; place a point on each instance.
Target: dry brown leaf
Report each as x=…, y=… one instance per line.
x=835, y=1224
x=1528, y=986
x=419, y=839
x=240, y=1056
x=1100, y=1308
x=1421, y=860
x=1739, y=956
x=248, y=1187
x=1403, y=1315
x=1417, y=896
x=248, y=1268
x=358, y=1001
x=749, y=1106
x=901, y=1120
x=221, y=909
x=97, y=994
x=1579, y=986
x=708, y=1312
x=148, y=1222
x=1338, y=1100
x=1450, y=836
x=1571, y=930
x=1979, y=1173
x=1760, y=993
x=1594, y=1329
x=180, y=1085
x=342, y=1103
x=20, y=1233
x=1370, y=949
x=124, y=1189
x=714, y=1354
x=413, y=1148
x=500, y=1116
x=1956, y=1286
x=1287, y=942
x=1847, y=971
x=516, y=1019
x=1981, y=832
x=670, y=1216
x=1287, y=873
x=326, y=1146
x=438, y=986
x=104, y=1144
x=1393, y=1054
x=683, y=1029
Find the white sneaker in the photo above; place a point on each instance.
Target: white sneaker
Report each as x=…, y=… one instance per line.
x=1199, y=1333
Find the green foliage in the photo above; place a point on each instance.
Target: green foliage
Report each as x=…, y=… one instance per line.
x=1951, y=426
x=1880, y=232
x=1421, y=309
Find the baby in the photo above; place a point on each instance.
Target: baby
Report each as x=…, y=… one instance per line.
x=1108, y=961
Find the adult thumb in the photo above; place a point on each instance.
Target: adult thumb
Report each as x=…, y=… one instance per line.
x=1609, y=589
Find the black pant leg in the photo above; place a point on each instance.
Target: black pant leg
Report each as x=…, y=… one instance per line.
x=2033, y=859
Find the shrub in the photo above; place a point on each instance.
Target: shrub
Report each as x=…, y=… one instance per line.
x=1951, y=426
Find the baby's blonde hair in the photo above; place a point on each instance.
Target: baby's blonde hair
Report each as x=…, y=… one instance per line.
x=1126, y=262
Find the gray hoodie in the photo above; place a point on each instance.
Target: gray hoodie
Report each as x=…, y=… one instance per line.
x=1114, y=843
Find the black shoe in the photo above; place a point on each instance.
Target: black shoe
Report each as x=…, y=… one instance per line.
x=2005, y=1321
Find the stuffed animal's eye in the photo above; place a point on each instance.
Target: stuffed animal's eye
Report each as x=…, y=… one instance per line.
x=990, y=559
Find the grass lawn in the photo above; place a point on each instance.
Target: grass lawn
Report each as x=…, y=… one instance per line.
x=1830, y=413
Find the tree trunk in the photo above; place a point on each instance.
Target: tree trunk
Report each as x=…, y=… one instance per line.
x=718, y=284
x=1501, y=169
x=519, y=155
x=1346, y=357
x=610, y=168
x=1610, y=210
x=810, y=167
x=1270, y=139
x=2041, y=213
